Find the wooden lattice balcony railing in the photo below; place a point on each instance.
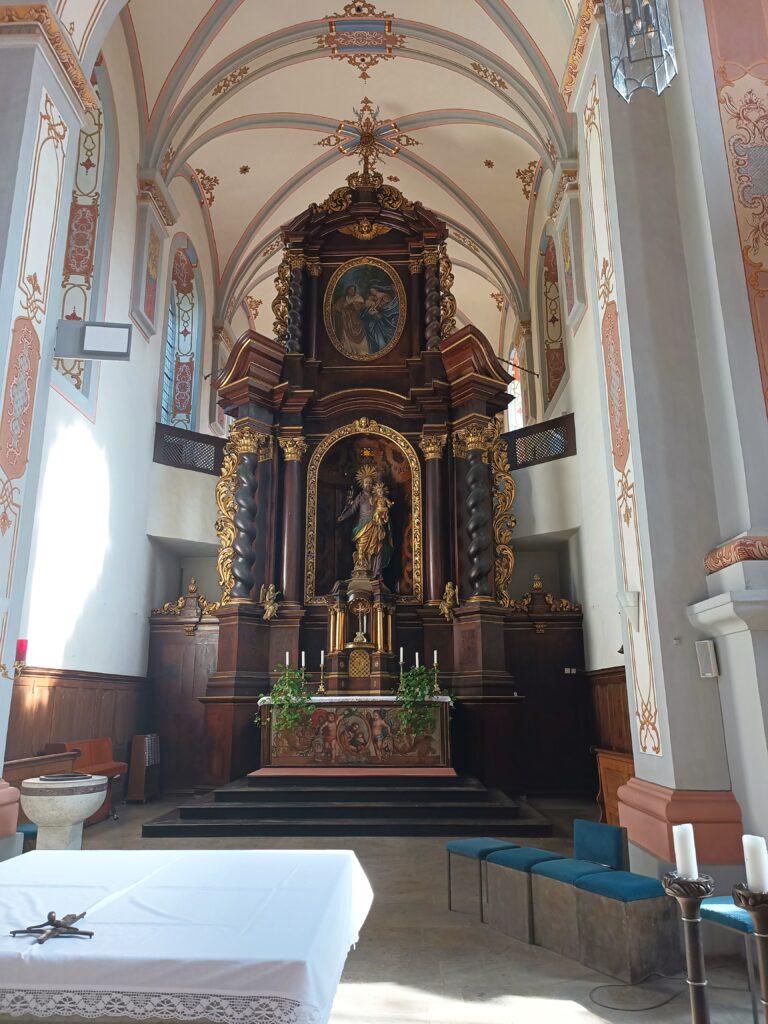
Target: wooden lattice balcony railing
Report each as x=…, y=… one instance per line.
x=542, y=442
x=186, y=449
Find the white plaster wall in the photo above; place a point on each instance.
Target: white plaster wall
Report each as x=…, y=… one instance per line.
x=182, y=505
x=94, y=572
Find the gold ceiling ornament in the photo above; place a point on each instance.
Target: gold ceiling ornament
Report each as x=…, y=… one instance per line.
x=230, y=80
x=568, y=177
x=165, y=165
x=498, y=298
x=208, y=183
x=447, y=301
x=13, y=17
x=489, y=76
x=253, y=306
x=489, y=164
x=280, y=302
x=274, y=246
x=245, y=168
x=293, y=447
x=527, y=176
x=361, y=35
x=578, y=45
x=504, y=520
x=243, y=440
x=432, y=445
x=466, y=241
x=365, y=230
x=363, y=425
x=369, y=139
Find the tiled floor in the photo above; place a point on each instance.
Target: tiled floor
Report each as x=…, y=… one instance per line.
x=417, y=963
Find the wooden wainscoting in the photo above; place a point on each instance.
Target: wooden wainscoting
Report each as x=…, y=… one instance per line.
x=611, y=736
x=59, y=705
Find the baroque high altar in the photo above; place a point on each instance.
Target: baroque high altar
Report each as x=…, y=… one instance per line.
x=365, y=502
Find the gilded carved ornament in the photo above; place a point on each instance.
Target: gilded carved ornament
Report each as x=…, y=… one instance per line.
x=365, y=230
x=568, y=177
x=294, y=447
x=280, y=306
x=447, y=301
x=578, y=46
x=175, y=608
x=449, y=602
x=243, y=440
x=14, y=16
x=504, y=520
x=432, y=445
x=150, y=191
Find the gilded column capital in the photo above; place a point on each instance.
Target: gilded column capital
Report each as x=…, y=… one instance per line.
x=266, y=448
x=296, y=260
x=432, y=445
x=245, y=439
x=294, y=447
x=314, y=267
x=475, y=437
x=416, y=264
x=459, y=444
x=431, y=258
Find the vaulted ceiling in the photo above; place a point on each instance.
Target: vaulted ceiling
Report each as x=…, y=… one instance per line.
x=237, y=94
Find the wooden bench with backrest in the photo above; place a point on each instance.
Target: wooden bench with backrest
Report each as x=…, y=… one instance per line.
x=96, y=758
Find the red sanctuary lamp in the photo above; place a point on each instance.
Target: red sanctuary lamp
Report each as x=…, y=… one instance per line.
x=21, y=654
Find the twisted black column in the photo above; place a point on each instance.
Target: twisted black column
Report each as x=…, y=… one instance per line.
x=432, y=300
x=480, y=509
x=295, y=307
x=246, y=509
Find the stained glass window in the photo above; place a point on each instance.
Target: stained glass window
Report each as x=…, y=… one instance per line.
x=551, y=321
x=182, y=341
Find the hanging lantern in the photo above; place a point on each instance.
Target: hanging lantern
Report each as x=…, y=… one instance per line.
x=641, y=46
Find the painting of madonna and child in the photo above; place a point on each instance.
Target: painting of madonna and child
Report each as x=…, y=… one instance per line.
x=348, y=735
x=365, y=309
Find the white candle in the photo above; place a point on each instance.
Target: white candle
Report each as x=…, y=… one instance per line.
x=685, y=851
x=417, y=659
x=303, y=660
x=401, y=655
x=287, y=659
x=365, y=623
x=434, y=657
x=756, y=862
x=322, y=658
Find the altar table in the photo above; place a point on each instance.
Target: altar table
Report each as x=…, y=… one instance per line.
x=232, y=937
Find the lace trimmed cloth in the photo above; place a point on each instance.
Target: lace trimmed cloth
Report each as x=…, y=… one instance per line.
x=181, y=1006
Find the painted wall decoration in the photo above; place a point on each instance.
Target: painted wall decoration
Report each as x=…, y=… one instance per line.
x=364, y=309
x=633, y=574
x=361, y=35
x=151, y=275
x=568, y=282
x=738, y=36
x=339, y=735
x=551, y=323
x=29, y=314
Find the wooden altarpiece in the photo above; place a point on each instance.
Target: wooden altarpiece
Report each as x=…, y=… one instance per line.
x=366, y=365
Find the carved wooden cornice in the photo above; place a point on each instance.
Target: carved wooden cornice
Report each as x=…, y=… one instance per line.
x=20, y=18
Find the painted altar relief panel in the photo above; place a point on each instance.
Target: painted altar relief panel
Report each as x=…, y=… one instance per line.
x=336, y=478
x=632, y=569
x=355, y=735
x=364, y=309
x=738, y=36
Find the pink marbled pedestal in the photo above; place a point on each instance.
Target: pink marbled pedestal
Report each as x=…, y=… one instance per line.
x=9, y=809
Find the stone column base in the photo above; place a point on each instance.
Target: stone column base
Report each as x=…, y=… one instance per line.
x=648, y=812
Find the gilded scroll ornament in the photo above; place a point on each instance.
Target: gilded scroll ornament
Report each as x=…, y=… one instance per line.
x=447, y=301
x=504, y=520
x=432, y=445
x=280, y=305
x=294, y=447
x=175, y=608
x=337, y=202
x=243, y=440
x=560, y=604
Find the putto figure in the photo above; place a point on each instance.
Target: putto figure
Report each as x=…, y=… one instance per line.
x=372, y=530
x=449, y=602
x=268, y=598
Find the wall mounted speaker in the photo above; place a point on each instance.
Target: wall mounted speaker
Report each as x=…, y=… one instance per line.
x=707, y=655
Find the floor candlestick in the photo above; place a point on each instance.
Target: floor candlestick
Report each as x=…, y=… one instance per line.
x=757, y=905
x=689, y=893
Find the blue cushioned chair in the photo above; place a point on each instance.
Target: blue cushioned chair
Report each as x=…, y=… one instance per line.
x=464, y=876
x=508, y=907
x=595, y=847
x=722, y=911
x=627, y=926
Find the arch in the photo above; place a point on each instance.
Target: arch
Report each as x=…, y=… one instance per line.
x=180, y=364
x=369, y=427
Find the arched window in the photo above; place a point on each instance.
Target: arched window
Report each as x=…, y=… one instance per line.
x=180, y=382
x=551, y=332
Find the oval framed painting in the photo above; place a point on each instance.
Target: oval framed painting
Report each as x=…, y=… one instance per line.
x=364, y=308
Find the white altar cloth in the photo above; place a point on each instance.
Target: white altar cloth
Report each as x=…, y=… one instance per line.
x=233, y=937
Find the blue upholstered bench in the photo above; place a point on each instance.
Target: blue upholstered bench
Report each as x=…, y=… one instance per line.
x=29, y=830
x=628, y=927
x=508, y=906
x=555, y=922
x=465, y=871
x=722, y=911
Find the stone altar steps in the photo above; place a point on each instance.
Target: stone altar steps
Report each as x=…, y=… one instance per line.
x=347, y=806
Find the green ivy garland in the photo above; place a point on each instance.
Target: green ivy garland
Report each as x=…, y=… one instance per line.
x=291, y=699
x=414, y=698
